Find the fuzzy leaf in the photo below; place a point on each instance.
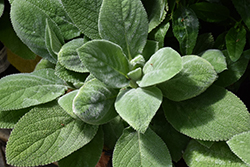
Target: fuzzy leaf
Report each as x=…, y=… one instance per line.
x=94, y=103
x=87, y=156
x=240, y=145
x=234, y=72
x=210, y=12
x=106, y=61
x=162, y=66
x=195, y=77
x=145, y=150
x=242, y=7
x=235, y=42
x=24, y=90
x=185, y=29
x=1, y=7
x=66, y=102
x=150, y=48
x=84, y=14
x=10, y=118
x=216, y=58
x=219, y=155
x=215, y=115
x=69, y=58
x=29, y=22
x=46, y=134
x=156, y=12
x=125, y=23
x=43, y=64
x=138, y=106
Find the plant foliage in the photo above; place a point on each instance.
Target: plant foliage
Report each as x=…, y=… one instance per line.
x=146, y=79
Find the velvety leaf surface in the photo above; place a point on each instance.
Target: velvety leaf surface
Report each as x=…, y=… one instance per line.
x=125, y=23
x=162, y=66
x=24, y=90
x=94, y=103
x=234, y=72
x=138, y=106
x=219, y=155
x=134, y=149
x=66, y=102
x=43, y=63
x=240, y=145
x=235, y=42
x=243, y=9
x=69, y=58
x=175, y=141
x=216, y=58
x=215, y=115
x=106, y=61
x=207, y=144
x=185, y=29
x=46, y=134
x=210, y=12
x=156, y=12
x=195, y=77
x=29, y=22
x=55, y=10
x=10, y=118
x=87, y=156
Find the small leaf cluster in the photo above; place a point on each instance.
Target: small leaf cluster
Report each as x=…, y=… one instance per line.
x=138, y=77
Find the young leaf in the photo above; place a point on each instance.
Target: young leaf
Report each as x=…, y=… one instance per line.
x=55, y=10
x=94, y=103
x=219, y=155
x=66, y=102
x=43, y=64
x=210, y=12
x=175, y=141
x=216, y=58
x=53, y=39
x=125, y=23
x=240, y=145
x=31, y=30
x=145, y=150
x=69, y=58
x=162, y=66
x=87, y=156
x=10, y=118
x=235, y=42
x=185, y=29
x=191, y=81
x=138, y=106
x=24, y=90
x=234, y=72
x=46, y=134
x=217, y=114
x=156, y=12
x=242, y=7
x=106, y=61
x=70, y=76
x=84, y=14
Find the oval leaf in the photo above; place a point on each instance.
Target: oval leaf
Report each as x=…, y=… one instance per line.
x=138, y=106
x=24, y=90
x=84, y=14
x=162, y=66
x=144, y=150
x=125, y=23
x=216, y=58
x=191, y=81
x=217, y=114
x=235, y=42
x=46, y=134
x=69, y=58
x=240, y=145
x=219, y=155
x=106, y=61
x=94, y=103
x=242, y=7
x=185, y=29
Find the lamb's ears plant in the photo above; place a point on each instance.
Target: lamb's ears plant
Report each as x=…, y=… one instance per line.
x=103, y=82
